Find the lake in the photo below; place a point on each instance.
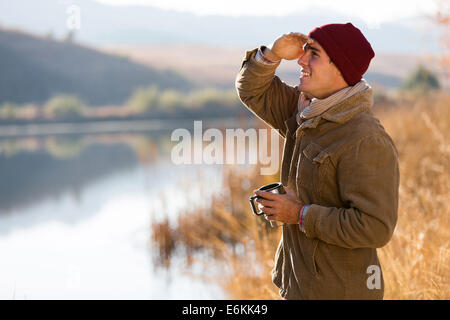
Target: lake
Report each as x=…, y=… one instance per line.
x=76, y=205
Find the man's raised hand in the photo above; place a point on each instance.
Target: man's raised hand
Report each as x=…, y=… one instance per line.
x=288, y=46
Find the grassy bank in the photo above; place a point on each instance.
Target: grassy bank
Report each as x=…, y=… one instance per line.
x=144, y=103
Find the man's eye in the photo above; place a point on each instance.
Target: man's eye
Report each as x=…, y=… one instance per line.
x=315, y=54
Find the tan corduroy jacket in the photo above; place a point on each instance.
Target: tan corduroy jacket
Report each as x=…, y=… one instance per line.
x=345, y=165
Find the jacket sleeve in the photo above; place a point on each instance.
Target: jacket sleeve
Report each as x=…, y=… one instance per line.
x=368, y=178
x=265, y=94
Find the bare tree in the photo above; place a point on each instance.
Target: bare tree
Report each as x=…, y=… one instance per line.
x=442, y=18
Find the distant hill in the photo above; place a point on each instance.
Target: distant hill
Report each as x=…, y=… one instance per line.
x=218, y=65
x=33, y=68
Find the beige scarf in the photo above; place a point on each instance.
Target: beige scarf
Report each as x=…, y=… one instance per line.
x=308, y=109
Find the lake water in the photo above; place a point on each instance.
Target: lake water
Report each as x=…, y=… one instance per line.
x=76, y=210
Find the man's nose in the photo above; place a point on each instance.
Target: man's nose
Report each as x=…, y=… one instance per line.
x=302, y=61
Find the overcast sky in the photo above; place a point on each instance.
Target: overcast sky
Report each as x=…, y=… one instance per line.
x=372, y=12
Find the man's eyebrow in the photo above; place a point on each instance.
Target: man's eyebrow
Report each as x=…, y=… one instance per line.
x=309, y=47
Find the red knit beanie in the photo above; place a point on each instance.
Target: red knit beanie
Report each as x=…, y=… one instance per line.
x=347, y=47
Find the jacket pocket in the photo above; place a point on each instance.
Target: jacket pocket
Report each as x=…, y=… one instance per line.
x=308, y=248
x=310, y=166
x=314, y=257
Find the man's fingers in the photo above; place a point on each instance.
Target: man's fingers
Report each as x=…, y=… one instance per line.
x=299, y=34
x=296, y=35
x=266, y=203
x=267, y=195
x=302, y=36
x=268, y=210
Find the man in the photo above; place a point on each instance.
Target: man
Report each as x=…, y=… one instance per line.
x=339, y=165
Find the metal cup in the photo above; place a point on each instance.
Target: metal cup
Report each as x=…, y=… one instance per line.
x=274, y=188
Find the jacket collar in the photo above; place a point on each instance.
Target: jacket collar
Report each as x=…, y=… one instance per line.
x=340, y=113
x=347, y=109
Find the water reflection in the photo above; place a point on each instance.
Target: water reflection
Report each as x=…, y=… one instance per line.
x=75, y=214
x=35, y=168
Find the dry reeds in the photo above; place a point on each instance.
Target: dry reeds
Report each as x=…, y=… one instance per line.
x=416, y=262
x=226, y=234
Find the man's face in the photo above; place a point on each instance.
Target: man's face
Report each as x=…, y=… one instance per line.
x=320, y=77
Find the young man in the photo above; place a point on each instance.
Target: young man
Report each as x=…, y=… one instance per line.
x=339, y=165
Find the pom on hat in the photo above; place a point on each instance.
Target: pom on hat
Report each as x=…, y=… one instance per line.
x=347, y=47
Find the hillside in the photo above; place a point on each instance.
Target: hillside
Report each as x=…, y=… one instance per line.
x=218, y=65
x=35, y=68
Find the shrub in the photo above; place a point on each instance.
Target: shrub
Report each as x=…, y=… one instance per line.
x=422, y=79
x=8, y=110
x=64, y=106
x=144, y=99
x=170, y=99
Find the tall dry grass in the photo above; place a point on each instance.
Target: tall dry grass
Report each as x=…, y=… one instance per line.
x=240, y=247
x=416, y=261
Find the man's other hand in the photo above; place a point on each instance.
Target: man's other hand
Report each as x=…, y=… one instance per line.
x=280, y=207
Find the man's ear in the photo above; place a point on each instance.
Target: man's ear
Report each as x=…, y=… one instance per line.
x=338, y=73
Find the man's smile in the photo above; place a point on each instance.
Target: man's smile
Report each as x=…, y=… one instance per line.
x=306, y=73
